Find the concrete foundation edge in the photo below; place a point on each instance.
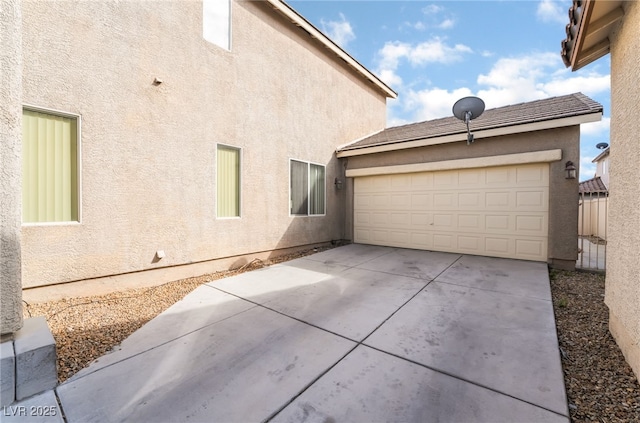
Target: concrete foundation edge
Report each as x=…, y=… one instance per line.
x=28, y=362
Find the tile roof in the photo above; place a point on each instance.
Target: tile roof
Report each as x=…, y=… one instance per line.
x=576, y=12
x=592, y=186
x=534, y=111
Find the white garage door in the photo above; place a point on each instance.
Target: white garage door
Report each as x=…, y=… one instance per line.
x=497, y=211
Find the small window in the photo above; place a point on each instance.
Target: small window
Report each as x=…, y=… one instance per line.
x=307, y=188
x=49, y=167
x=216, y=22
x=604, y=167
x=228, y=181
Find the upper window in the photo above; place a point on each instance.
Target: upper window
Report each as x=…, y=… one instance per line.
x=49, y=167
x=307, y=188
x=216, y=22
x=228, y=181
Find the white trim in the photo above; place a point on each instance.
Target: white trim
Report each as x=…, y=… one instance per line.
x=359, y=139
x=491, y=161
x=478, y=134
x=300, y=21
x=239, y=183
x=308, y=163
x=78, y=119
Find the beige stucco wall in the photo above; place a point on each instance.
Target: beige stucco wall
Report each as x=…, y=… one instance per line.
x=563, y=193
x=10, y=165
x=622, y=294
x=148, y=152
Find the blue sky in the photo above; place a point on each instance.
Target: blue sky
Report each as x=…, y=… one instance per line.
x=434, y=52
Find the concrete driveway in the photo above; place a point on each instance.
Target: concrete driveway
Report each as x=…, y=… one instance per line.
x=354, y=334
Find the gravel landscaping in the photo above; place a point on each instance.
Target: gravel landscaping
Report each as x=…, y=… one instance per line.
x=600, y=385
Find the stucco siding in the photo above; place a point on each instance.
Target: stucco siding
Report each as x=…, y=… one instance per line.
x=563, y=193
x=148, y=151
x=10, y=165
x=622, y=294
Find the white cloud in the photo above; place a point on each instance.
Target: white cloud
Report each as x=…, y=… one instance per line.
x=596, y=129
x=515, y=80
x=447, y=24
x=552, y=11
x=432, y=51
x=565, y=82
x=432, y=103
x=511, y=80
x=340, y=31
x=535, y=76
x=432, y=9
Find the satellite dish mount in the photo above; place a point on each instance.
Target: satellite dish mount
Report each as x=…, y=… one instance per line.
x=467, y=109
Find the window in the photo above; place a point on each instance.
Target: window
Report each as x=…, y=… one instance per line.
x=307, y=188
x=228, y=181
x=49, y=167
x=216, y=22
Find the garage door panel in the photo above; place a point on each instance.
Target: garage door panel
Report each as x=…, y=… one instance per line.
x=529, y=248
x=532, y=200
x=421, y=201
x=362, y=219
x=501, y=212
x=532, y=224
x=445, y=201
x=421, y=181
x=499, y=246
x=421, y=219
x=444, y=241
x=531, y=175
x=422, y=240
x=470, y=244
x=472, y=200
x=445, y=179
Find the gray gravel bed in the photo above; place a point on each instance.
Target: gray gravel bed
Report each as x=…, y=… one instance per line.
x=601, y=386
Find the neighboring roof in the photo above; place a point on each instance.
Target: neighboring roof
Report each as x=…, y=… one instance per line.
x=315, y=33
x=592, y=186
x=590, y=23
x=600, y=156
x=549, y=113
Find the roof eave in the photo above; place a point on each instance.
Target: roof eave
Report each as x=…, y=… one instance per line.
x=314, y=32
x=591, y=41
x=478, y=135
x=601, y=155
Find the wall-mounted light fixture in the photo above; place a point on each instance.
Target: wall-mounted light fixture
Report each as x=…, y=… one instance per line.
x=466, y=109
x=570, y=170
x=338, y=183
x=157, y=81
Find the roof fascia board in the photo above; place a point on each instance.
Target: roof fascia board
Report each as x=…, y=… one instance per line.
x=545, y=156
x=601, y=155
x=359, y=139
x=299, y=20
x=487, y=133
x=582, y=30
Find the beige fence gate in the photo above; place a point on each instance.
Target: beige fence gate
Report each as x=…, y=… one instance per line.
x=592, y=231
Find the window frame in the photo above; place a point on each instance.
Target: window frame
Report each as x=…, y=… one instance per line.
x=308, y=163
x=240, y=159
x=78, y=119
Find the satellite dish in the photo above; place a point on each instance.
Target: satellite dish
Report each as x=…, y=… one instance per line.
x=467, y=109
x=602, y=145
